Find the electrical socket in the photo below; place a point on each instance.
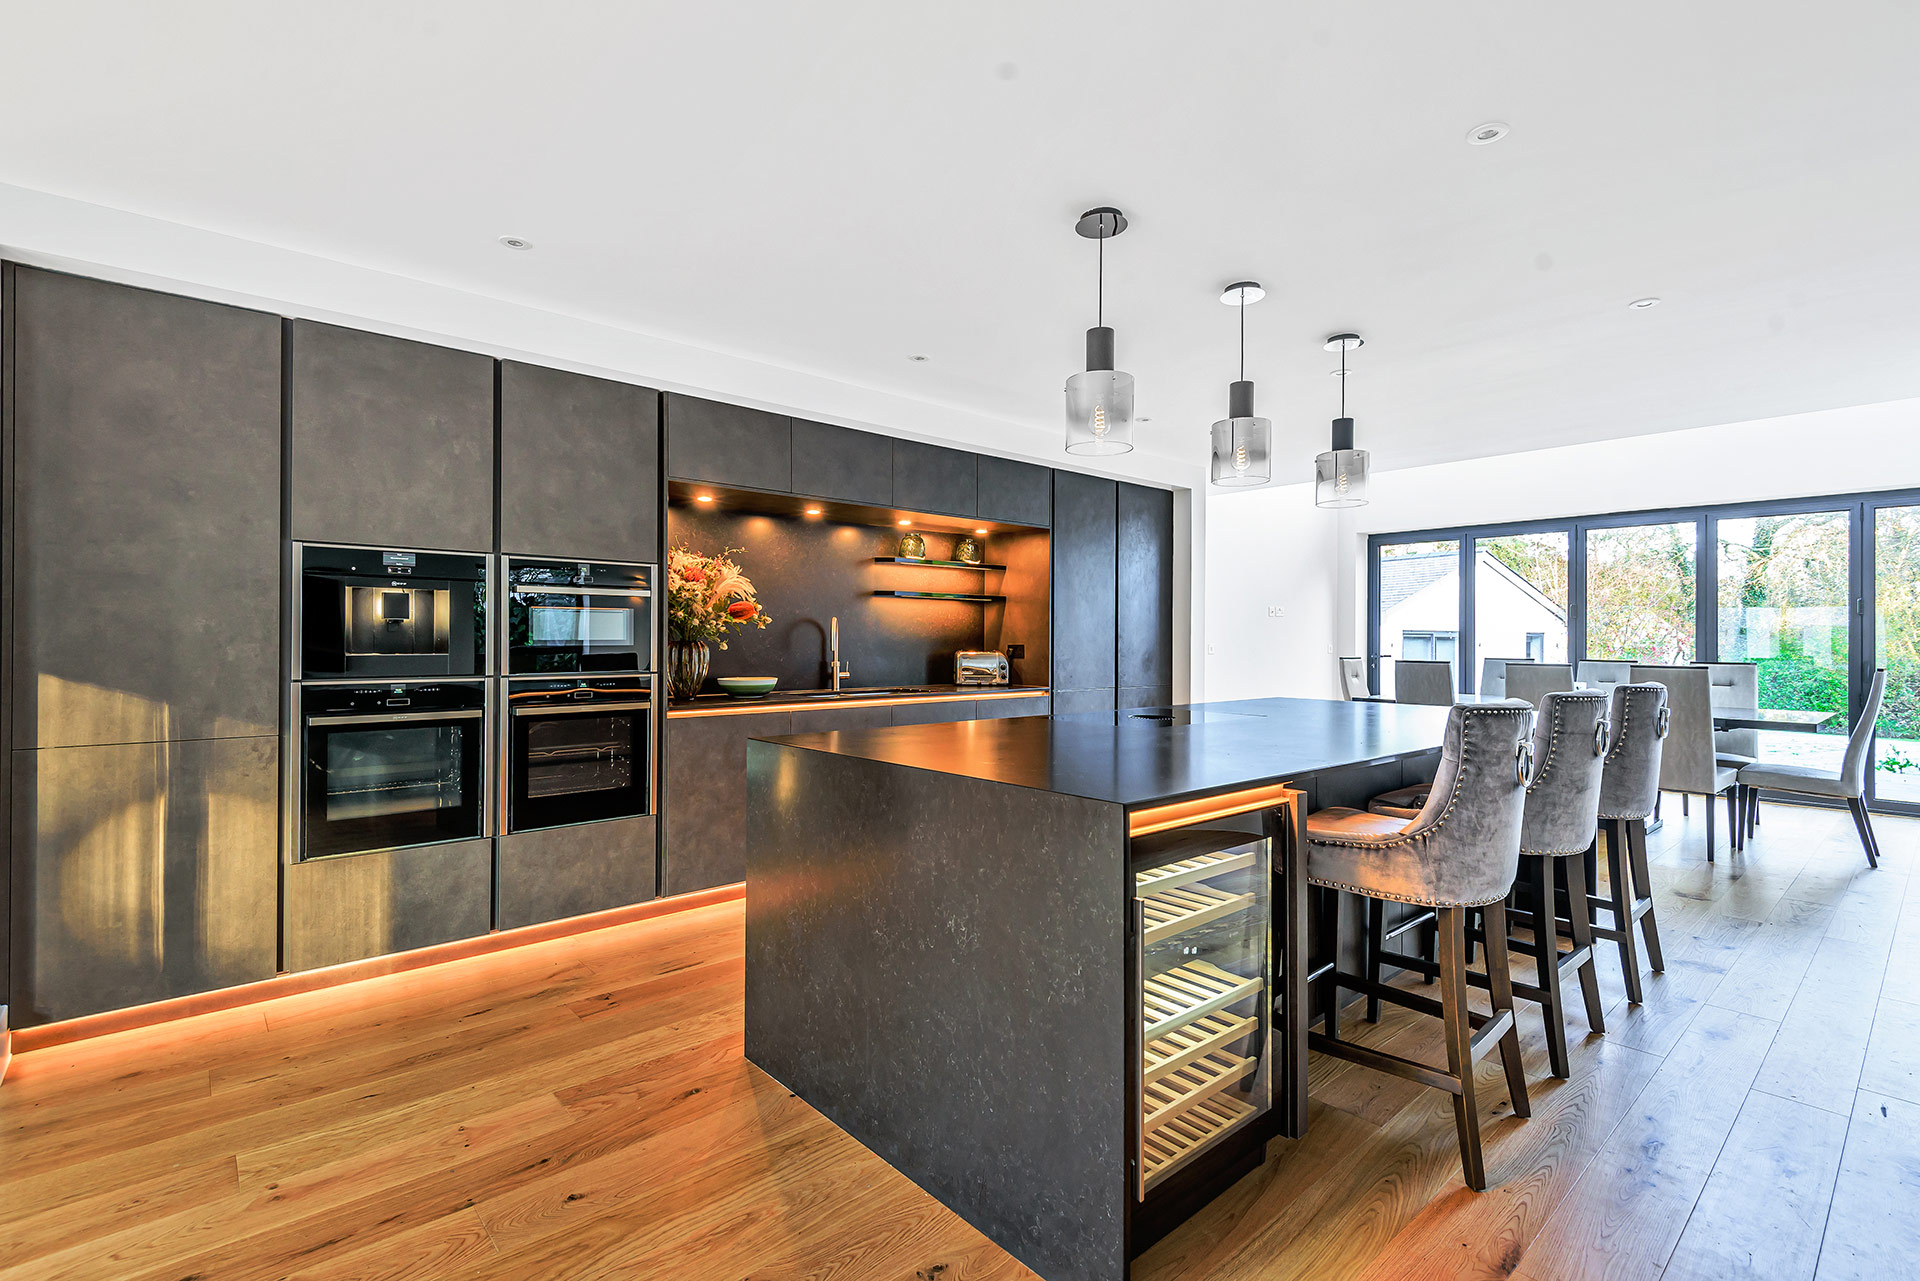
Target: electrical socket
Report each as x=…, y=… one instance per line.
x=1276, y=611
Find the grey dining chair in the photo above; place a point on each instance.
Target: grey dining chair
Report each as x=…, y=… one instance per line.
x=1736, y=688
x=1602, y=673
x=1460, y=853
x=1629, y=790
x=1532, y=682
x=1493, y=675
x=1687, y=760
x=1422, y=680
x=1848, y=783
x=1353, y=678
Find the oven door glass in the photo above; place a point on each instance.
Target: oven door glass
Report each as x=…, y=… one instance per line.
x=374, y=786
x=579, y=630
x=577, y=765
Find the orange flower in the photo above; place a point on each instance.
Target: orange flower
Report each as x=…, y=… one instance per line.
x=742, y=609
x=695, y=574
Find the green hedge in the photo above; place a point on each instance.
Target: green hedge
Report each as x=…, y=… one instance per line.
x=1802, y=683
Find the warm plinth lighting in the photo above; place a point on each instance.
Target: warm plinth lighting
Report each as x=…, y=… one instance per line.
x=1161, y=818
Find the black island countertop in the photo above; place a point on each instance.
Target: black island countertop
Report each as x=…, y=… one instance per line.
x=1150, y=755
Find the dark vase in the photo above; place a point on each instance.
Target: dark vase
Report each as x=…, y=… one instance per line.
x=686, y=668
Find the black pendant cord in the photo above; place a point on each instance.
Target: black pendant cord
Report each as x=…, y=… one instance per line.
x=1343, y=380
x=1100, y=289
x=1243, y=335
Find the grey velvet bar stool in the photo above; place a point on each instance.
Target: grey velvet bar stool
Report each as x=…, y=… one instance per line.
x=1629, y=789
x=1459, y=854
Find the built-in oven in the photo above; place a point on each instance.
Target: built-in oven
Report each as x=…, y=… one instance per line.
x=578, y=616
x=380, y=613
x=578, y=750
x=393, y=765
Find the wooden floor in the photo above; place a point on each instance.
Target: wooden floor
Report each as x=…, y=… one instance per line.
x=580, y=1109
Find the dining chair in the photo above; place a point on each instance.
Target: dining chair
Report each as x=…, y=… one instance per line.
x=1423, y=680
x=1493, y=675
x=1736, y=689
x=1534, y=681
x=1687, y=761
x=1353, y=678
x=1638, y=725
x=1848, y=783
x=1602, y=673
x=1460, y=853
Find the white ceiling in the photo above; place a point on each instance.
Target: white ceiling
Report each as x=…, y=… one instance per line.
x=833, y=187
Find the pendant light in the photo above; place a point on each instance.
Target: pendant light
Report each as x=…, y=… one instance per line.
x=1242, y=444
x=1340, y=474
x=1100, y=400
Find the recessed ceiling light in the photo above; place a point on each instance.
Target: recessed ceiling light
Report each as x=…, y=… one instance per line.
x=813, y=511
x=981, y=530
x=906, y=522
x=515, y=242
x=1492, y=131
x=1141, y=418
x=703, y=498
x=917, y=359
x=1641, y=304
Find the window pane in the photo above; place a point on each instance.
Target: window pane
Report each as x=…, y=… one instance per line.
x=1784, y=591
x=1419, y=604
x=1896, y=572
x=1640, y=593
x=1520, y=598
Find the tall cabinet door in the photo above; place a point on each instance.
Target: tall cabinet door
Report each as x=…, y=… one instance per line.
x=1085, y=548
x=579, y=466
x=392, y=441
x=1143, y=637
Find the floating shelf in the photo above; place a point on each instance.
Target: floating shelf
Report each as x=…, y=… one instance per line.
x=1182, y=1046
x=937, y=564
x=977, y=599
x=1183, y=994
x=1187, y=907
x=1180, y=1091
x=1187, y=870
x=1173, y=1145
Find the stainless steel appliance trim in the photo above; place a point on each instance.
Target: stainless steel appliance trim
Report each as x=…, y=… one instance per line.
x=1138, y=1066
x=581, y=709
x=472, y=714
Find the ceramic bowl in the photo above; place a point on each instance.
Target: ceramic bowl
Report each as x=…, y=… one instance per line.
x=747, y=686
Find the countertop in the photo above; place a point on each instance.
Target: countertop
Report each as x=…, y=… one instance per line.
x=1146, y=756
x=727, y=705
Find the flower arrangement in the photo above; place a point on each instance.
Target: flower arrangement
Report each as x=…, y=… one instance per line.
x=707, y=595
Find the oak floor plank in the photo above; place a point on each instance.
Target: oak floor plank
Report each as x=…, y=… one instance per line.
x=1822, y=1043
x=1873, y=1228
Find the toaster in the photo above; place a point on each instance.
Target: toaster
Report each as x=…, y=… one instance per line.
x=981, y=667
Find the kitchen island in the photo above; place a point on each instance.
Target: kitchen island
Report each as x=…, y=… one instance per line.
x=1053, y=969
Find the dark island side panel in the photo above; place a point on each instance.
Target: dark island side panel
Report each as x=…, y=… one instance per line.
x=1005, y=1040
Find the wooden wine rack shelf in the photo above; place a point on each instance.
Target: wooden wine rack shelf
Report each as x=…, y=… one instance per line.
x=1186, y=1136
x=1183, y=994
x=1183, y=1045
x=1184, y=871
x=1188, y=907
x=1186, y=1088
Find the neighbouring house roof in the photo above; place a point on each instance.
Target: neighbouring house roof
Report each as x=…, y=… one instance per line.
x=1404, y=577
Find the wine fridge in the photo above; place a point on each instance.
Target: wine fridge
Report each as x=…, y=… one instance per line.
x=1203, y=951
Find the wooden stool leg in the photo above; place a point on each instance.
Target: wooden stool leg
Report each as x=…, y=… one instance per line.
x=1376, y=934
x=1734, y=829
x=1581, y=919
x=1620, y=888
x=1330, y=939
x=1500, y=989
x=1708, y=808
x=1459, y=1036
x=1643, y=892
x=1546, y=957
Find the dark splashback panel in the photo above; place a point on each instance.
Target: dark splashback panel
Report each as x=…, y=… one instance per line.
x=808, y=572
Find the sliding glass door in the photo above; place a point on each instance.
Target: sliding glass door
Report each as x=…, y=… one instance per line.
x=1520, y=597
x=1419, y=605
x=1895, y=780
x=1640, y=592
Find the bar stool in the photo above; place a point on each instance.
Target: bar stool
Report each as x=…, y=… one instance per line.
x=1629, y=789
x=1570, y=742
x=1460, y=853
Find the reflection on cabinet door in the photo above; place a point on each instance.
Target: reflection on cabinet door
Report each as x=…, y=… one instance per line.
x=146, y=527
x=361, y=905
x=579, y=466
x=141, y=872
x=558, y=872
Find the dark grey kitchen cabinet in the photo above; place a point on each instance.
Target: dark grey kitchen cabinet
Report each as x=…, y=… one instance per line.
x=728, y=444
x=1020, y=493
x=579, y=466
x=932, y=712
x=145, y=530
x=707, y=796
x=933, y=478
x=361, y=905
x=392, y=441
x=1068, y=701
x=842, y=464
x=558, y=872
x=1085, y=537
x=1128, y=696
x=1143, y=645
x=992, y=709
x=141, y=871
x=810, y=720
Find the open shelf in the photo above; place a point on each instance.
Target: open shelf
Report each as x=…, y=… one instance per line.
x=1186, y=992
x=937, y=564
x=1183, y=871
x=1166, y=1149
x=1186, y=1088
x=1183, y=1045
x=1187, y=907
x=983, y=600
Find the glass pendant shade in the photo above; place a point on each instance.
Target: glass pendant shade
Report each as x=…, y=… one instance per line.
x=1242, y=444
x=1340, y=474
x=1100, y=402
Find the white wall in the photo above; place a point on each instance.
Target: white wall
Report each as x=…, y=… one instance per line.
x=1272, y=546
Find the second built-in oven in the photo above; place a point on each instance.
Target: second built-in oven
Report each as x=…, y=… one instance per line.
x=389, y=766
x=578, y=750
